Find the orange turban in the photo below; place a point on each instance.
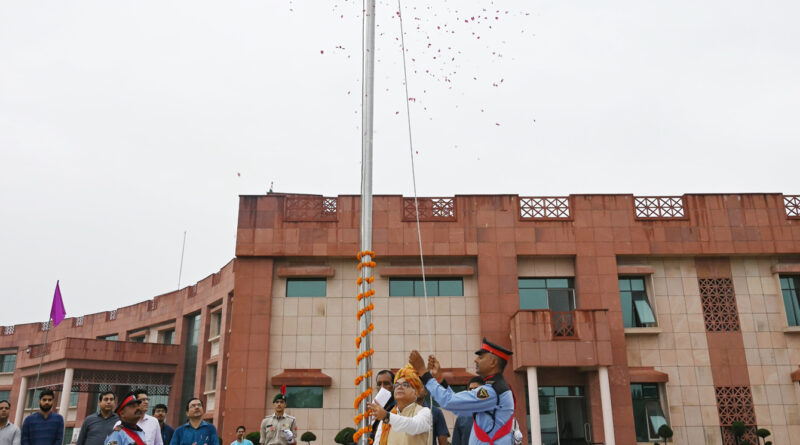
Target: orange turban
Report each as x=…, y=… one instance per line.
x=408, y=373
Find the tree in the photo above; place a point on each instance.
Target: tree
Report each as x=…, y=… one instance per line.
x=308, y=437
x=345, y=436
x=738, y=429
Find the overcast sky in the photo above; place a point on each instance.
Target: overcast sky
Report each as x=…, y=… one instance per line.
x=124, y=124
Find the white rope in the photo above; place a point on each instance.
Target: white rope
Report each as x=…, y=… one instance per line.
x=414, y=179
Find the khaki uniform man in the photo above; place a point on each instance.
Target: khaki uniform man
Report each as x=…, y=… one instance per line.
x=278, y=428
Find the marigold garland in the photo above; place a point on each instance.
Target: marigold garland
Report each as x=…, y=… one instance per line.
x=368, y=307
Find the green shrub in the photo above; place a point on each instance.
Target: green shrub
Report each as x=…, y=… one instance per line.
x=254, y=437
x=345, y=436
x=308, y=437
x=665, y=432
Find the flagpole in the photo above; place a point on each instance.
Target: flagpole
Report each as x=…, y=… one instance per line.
x=368, y=88
x=44, y=351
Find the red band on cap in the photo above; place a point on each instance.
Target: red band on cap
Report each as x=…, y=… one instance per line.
x=125, y=402
x=495, y=351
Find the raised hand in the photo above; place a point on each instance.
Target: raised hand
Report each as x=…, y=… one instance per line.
x=434, y=367
x=417, y=362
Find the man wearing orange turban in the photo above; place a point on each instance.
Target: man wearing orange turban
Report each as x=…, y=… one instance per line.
x=407, y=423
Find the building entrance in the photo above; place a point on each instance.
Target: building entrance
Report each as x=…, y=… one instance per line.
x=562, y=413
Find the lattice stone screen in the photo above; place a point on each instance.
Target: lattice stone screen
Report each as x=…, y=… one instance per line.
x=735, y=403
x=792, y=205
x=719, y=304
x=563, y=324
x=430, y=209
x=544, y=208
x=658, y=207
x=8, y=330
x=310, y=208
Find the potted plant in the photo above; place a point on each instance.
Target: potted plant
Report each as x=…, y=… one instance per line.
x=762, y=434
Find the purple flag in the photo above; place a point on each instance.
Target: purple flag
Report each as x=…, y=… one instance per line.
x=57, y=311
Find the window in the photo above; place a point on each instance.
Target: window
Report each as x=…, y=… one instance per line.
x=211, y=377
x=304, y=396
x=647, y=414
x=112, y=337
x=215, y=324
x=636, y=309
x=8, y=362
x=73, y=399
x=556, y=294
x=32, y=401
x=436, y=287
x=167, y=337
x=790, y=285
x=139, y=339
x=305, y=287
x=5, y=394
x=68, y=436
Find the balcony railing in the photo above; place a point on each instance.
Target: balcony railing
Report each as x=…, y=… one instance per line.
x=659, y=207
x=792, y=205
x=544, y=208
x=555, y=338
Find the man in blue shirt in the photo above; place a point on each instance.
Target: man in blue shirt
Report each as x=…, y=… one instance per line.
x=491, y=405
x=43, y=427
x=196, y=431
x=130, y=413
x=240, y=440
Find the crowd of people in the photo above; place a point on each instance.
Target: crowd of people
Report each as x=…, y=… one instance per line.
x=485, y=413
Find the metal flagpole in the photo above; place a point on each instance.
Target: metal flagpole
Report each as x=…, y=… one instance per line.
x=368, y=87
x=44, y=352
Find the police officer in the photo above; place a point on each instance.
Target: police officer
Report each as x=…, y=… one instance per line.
x=278, y=428
x=491, y=405
x=128, y=433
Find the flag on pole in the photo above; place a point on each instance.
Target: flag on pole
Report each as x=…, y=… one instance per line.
x=57, y=311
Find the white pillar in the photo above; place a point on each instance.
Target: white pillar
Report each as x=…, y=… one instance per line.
x=23, y=392
x=63, y=406
x=605, y=400
x=533, y=400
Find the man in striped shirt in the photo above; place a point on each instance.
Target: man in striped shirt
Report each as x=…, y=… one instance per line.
x=43, y=427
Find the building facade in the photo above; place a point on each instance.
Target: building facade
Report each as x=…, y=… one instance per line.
x=624, y=313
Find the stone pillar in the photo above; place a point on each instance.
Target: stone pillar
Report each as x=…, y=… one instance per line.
x=605, y=400
x=533, y=400
x=63, y=406
x=23, y=393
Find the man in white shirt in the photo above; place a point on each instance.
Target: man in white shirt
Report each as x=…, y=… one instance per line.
x=148, y=424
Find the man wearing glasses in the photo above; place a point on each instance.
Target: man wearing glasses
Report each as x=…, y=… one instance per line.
x=384, y=379
x=148, y=423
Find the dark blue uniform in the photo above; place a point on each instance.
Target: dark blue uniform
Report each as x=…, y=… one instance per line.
x=491, y=405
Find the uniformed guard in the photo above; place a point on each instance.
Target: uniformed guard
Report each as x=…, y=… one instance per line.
x=491, y=405
x=278, y=428
x=129, y=412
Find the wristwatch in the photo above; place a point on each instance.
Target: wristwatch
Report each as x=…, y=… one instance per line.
x=386, y=419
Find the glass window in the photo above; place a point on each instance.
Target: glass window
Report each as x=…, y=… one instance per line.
x=216, y=323
x=305, y=287
x=556, y=294
x=5, y=394
x=8, y=362
x=32, y=401
x=304, y=396
x=436, y=287
x=112, y=337
x=73, y=399
x=211, y=377
x=68, y=436
x=636, y=309
x=167, y=337
x=789, y=289
x=139, y=339
x=647, y=413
